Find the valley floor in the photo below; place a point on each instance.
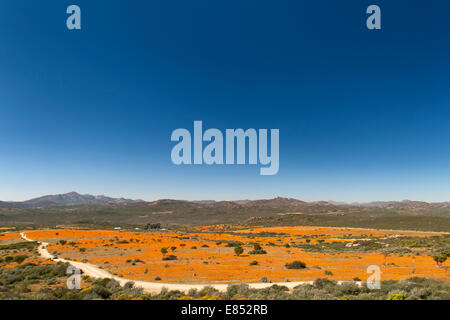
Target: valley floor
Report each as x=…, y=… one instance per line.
x=206, y=255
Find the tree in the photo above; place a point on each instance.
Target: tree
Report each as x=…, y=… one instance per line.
x=163, y=251
x=238, y=250
x=440, y=259
x=257, y=249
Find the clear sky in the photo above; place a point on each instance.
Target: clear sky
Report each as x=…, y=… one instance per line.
x=363, y=115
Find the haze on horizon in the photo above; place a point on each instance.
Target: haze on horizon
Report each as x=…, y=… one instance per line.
x=217, y=200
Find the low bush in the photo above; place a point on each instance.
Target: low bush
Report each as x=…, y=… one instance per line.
x=238, y=250
x=257, y=249
x=170, y=257
x=295, y=265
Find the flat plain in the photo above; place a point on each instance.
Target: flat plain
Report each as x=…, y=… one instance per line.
x=207, y=254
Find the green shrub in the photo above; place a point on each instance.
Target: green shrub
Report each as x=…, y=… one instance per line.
x=257, y=249
x=234, y=244
x=19, y=259
x=19, y=245
x=170, y=257
x=322, y=283
x=238, y=251
x=295, y=265
x=440, y=259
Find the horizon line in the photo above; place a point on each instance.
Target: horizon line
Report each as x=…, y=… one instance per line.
x=337, y=202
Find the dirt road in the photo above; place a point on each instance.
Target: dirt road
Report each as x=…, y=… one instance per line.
x=152, y=287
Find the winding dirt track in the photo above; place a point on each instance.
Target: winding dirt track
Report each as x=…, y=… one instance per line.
x=153, y=287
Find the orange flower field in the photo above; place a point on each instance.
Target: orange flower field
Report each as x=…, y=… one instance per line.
x=204, y=255
x=14, y=237
x=10, y=236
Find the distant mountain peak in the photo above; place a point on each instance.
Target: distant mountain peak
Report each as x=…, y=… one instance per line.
x=71, y=198
x=74, y=198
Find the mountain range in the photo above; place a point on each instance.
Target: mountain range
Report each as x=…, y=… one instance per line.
x=67, y=199
x=74, y=198
x=102, y=211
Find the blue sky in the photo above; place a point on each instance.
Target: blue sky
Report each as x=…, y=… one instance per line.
x=363, y=115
